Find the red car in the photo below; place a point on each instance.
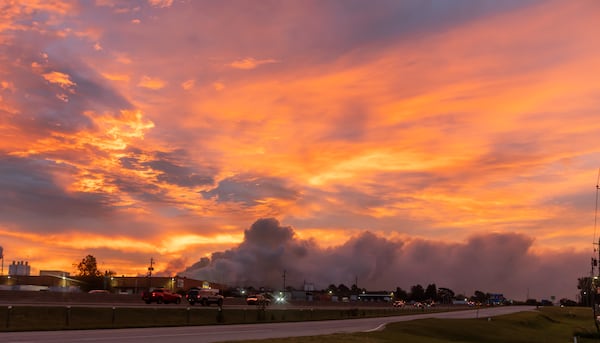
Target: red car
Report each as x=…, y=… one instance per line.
x=160, y=296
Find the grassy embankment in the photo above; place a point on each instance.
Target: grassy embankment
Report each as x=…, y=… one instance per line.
x=548, y=325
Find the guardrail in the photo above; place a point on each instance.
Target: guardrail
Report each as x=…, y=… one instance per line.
x=30, y=318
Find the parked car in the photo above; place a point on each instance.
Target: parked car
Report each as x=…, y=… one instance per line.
x=258, y=299
x=399, y=303
x=160, y=296
x=205, y=297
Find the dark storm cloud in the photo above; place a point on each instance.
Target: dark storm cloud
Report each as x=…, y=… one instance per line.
x=172, y=166
x=489, y=262
x=249, y=190
x=30, y=194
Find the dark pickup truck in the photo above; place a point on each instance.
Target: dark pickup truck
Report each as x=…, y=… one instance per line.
x=205, y=297
x=160, y=296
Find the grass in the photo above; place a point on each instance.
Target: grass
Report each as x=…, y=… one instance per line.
x=548, y=325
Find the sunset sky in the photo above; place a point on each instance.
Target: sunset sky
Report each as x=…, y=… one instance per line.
x=393, y=142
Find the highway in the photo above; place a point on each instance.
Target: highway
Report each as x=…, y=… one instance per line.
x=220, y=333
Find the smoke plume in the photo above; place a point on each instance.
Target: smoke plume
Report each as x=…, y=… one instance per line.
x=494, y=262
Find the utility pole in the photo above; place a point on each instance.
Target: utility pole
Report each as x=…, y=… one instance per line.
x=150, y=269
x=593, y=297
x=593, y=277
x=284, y=272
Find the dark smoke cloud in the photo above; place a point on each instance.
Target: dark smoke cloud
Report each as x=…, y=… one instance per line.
x=494, y=262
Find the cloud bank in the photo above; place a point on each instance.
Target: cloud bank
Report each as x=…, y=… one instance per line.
x=490, y=262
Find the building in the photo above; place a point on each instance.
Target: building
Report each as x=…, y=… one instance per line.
x=55, y=273
x=138, y=284
x=376, y=296
x=60, y=281
x=21, y=268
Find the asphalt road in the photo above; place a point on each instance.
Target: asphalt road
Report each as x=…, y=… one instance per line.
x=219, y=333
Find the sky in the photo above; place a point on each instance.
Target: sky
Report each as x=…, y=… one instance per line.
x=386, y=142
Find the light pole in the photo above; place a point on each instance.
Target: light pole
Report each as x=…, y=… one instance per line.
x=284, y=272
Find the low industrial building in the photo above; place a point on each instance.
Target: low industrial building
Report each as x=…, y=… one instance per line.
x=58, y=281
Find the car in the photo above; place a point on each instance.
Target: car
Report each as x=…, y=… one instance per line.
x=258, y=299
x=399, y=303
x=205, y=297
x=160, y=296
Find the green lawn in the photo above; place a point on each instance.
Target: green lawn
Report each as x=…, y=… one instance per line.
x=548, y=325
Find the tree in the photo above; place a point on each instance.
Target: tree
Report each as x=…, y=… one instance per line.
x=89, y=275
x=445, y=295
x=108, y=275
x=356, y=290
x=460, y=296
x=332, y=289
x=400, y=294
x=431, y=292
x=417, y=293
x=343, y=290
x=88, y=267
x=584, y=285
x=479, y=297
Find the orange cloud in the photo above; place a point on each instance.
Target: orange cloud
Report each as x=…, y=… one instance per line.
x=161, y=3
x=116, y=77
x=218, y=86
x=151, y=83
x=62, y=79
x=250, y=63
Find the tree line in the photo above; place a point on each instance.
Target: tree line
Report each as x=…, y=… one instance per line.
x=417, y=293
